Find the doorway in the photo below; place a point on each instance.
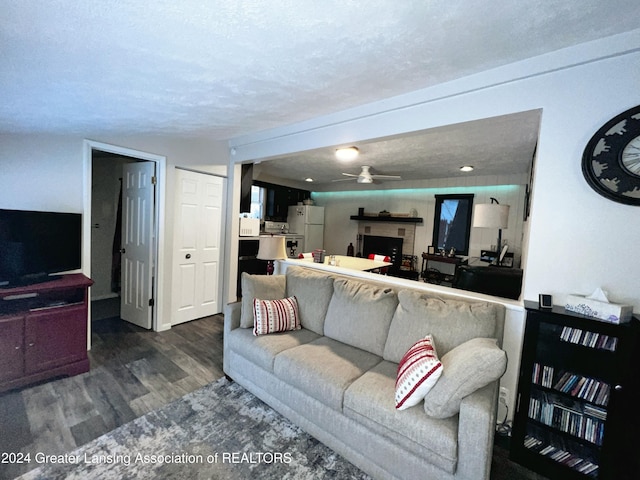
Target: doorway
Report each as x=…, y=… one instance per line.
x=104, y=165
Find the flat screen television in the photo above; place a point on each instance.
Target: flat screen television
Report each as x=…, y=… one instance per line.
x=35, y=245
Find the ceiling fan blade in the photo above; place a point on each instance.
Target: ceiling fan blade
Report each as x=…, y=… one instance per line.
x=349, y=174
x=388, y=177
x=344, y=179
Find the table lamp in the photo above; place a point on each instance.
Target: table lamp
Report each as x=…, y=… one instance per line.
x=492, y=215
x=271, y=248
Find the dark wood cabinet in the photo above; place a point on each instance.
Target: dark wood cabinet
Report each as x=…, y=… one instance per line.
x=577, y=405
x=12, y=347
x=279, y=198
x=43, y=331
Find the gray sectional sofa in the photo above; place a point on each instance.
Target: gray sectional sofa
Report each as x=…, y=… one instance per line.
x=335, y=377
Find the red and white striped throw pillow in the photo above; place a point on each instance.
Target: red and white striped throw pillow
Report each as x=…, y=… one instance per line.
x=418, y=372
x=275, y=315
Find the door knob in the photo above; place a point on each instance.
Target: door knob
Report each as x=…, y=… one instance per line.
x=123, y=250
x=187, y=256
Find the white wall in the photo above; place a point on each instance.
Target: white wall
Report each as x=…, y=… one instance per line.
x=46, y=172
x=41, y=172
x=577, y=240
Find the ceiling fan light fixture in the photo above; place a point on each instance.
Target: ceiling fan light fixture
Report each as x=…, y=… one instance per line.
x=347, y=153
x=308, y=179
x=466, y=168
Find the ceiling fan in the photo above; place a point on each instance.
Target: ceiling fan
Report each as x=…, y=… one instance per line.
x=365, y=176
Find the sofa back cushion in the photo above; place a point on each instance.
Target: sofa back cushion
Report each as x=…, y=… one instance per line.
x=313, y=290
x=451, y=322
x=264, y=287
x=359, y=315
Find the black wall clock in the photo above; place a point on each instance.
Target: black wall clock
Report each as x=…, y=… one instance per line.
x=611, y=159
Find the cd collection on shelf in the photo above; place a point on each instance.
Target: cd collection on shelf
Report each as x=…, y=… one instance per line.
x=542, y=375
x=585, y=388
x=589, y=339
x=562, y=455
x=568, y=417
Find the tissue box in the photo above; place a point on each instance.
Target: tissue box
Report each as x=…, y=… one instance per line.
x=609, y=312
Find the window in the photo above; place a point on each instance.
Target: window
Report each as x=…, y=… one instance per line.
x=452, y=222
x=257, y=202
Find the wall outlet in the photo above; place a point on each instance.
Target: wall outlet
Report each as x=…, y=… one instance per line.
x=504, y=394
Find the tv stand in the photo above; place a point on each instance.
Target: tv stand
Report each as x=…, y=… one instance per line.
x=30, y=279
x=43, y=330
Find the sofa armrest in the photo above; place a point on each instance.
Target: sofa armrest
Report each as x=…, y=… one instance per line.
x=231, y=322
x=232, y=313
x=476, y=429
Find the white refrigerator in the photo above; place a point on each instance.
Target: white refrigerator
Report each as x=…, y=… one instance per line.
x=307, y=220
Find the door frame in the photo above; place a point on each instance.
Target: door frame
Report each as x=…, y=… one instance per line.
x=159, y=231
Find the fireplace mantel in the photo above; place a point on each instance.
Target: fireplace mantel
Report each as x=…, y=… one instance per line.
x=365, y=218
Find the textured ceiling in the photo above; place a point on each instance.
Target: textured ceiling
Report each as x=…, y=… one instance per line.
x=495, y=146
x=228, y=67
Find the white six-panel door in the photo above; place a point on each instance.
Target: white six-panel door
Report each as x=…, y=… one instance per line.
x=137, y=243
x=197, y=249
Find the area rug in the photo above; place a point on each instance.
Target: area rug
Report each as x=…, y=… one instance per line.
x=218, y=432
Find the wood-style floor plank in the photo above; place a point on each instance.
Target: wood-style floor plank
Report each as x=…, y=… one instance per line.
x=48, y=425
x=77, y=406
x=13, y=414
x=107, y=398
x=89, y=429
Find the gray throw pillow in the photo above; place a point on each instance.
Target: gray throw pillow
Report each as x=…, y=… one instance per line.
x=465, y=369
x=263, y=287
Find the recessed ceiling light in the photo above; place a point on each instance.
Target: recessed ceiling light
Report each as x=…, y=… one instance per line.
x=466, y=168
x=347, y=153
x=308, y=179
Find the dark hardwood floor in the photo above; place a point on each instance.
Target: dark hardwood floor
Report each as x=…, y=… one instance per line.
x=133, y=371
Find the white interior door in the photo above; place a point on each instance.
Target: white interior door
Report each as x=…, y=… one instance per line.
x=137, y=243
x=197, y=250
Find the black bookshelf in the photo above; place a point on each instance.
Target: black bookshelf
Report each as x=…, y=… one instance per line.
x=577, y=413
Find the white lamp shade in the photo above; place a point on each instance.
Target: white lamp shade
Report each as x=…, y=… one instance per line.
x=491, y=215
x=272, y=248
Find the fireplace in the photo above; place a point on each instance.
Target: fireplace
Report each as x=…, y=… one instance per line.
x=390, y=246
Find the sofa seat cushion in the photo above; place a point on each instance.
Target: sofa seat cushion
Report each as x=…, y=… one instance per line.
x=262, y=350
x=324, y=368
x=359, y=314
x=313, y=290
x=370, y=401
